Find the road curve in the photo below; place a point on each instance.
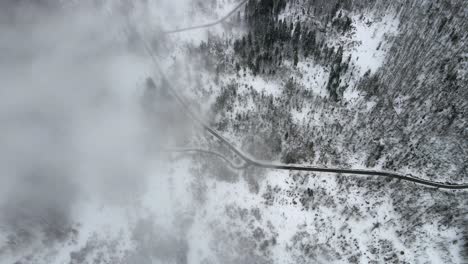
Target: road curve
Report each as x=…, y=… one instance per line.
x=208, y=24
x=250, y=161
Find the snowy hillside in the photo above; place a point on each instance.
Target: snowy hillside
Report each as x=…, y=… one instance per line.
x=102, y=163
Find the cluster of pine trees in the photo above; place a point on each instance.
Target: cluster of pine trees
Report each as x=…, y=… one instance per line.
x=270, y=41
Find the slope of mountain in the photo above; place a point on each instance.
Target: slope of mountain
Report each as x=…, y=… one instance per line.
x=350, y=84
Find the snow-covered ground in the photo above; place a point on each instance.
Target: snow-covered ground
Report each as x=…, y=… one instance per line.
x=135, y=206
x=372, y=36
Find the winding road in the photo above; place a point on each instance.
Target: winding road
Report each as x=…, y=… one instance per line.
x=250, y=161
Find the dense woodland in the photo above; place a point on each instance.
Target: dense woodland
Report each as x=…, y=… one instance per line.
x=417, y=120
x=434, y=114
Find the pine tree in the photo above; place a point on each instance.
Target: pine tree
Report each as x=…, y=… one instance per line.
x=296, y=56
x=297, y=32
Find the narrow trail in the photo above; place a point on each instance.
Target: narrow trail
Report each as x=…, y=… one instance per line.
x=208, y=152
x=208, y=24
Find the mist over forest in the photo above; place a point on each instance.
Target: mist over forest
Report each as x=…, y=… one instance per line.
x=111, y=114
